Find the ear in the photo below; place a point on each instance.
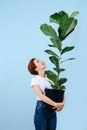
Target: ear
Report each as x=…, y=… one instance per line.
x=36, y=69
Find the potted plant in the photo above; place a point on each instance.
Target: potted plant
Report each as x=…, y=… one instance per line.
x=66, y=25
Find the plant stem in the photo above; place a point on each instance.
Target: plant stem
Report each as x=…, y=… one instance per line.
x=59, y=69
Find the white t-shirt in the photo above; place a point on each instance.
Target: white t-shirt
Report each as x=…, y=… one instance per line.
x=42, y=83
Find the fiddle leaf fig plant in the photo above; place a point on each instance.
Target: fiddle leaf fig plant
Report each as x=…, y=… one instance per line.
x=66, y=25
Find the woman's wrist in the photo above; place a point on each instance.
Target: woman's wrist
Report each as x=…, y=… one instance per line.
x=56, y=104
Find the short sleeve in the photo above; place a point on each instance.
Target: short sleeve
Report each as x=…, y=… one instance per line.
x=34, y=82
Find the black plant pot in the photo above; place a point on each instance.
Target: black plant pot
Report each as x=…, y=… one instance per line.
x=55, y=94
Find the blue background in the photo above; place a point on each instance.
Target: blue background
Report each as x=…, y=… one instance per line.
x=20, y=40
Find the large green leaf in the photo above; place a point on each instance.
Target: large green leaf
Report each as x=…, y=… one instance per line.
x=62, y=81
x=54, y=60
x=60, y=33
x=51, y=53
x=52, y=76
x=66, y=49
x=67, y=28
x=57, y=43
x=66, y=24
x=48, y=30
x=59, y=18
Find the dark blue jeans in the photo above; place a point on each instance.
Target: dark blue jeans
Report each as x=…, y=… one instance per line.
x=45, y=117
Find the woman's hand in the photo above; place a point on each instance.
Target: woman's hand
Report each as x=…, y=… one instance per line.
x=59, y=106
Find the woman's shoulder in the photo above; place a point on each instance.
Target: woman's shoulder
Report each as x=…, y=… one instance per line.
x=34, y=81
x=34, y=78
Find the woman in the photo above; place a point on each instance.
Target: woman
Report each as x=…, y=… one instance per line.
x=45, y=112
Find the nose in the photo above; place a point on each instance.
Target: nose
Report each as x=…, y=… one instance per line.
x=41, y=61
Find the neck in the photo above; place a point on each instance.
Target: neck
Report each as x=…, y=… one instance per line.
x=42, y=74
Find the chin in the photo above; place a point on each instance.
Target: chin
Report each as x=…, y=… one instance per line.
x=44, y=67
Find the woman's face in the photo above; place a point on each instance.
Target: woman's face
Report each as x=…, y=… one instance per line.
x=40, y=65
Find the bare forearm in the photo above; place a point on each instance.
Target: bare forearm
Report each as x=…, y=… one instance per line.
x=57, y=106
x=47, y=100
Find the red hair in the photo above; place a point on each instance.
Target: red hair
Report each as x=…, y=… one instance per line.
x=32, y=67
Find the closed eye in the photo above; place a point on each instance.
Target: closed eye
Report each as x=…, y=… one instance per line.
x=38, y=61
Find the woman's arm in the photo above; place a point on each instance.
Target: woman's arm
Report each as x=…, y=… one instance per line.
x=44, y=98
